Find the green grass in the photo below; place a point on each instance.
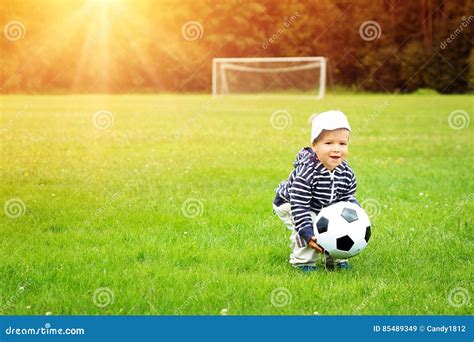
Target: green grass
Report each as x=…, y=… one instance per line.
x=104, y=207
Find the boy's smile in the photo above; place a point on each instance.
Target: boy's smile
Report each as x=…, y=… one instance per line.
x=331, y=147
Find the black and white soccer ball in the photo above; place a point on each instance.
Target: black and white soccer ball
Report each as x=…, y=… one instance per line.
x=342, y=230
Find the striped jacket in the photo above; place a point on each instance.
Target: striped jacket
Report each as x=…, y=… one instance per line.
x=311, y=187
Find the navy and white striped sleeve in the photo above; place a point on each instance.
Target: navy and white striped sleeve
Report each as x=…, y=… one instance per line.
x=351, y=190
x=300, y=198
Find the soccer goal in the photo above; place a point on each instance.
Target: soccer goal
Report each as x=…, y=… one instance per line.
x=300, y=76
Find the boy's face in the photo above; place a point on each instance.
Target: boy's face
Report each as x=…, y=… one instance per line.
x=331, y=147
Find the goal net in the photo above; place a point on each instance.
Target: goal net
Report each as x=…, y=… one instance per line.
x=269, y=76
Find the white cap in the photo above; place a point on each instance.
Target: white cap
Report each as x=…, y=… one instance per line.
x=329, y=121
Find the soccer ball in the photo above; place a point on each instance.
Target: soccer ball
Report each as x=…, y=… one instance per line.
x=342, y=230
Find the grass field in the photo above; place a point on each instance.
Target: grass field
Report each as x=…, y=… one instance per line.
x=168, y=210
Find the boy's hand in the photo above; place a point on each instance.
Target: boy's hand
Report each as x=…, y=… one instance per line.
x=314, y=245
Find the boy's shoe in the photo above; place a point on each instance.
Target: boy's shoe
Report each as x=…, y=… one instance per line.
x=343, y=265
x=307, y=269
x=332, y=264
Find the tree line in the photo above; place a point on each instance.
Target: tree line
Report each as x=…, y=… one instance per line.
x=167, y=46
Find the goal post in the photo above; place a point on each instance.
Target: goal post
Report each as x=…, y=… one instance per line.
x=269, y=76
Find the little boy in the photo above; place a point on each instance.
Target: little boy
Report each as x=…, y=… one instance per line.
x=320, y=178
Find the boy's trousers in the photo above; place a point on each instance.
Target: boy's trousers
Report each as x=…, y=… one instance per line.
x=301, y=254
